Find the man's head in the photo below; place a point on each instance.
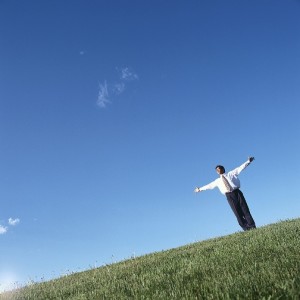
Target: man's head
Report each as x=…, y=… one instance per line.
x=220, y=169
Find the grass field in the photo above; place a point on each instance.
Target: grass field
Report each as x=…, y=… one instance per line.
x=259, y=264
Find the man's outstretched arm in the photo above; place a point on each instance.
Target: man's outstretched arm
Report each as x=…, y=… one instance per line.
x=209, y=186
x=242, y=167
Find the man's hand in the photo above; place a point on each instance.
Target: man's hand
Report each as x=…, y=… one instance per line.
x=251, y=159
x=197, y=190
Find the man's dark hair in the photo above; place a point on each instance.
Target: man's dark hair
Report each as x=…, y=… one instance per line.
x=221, y=167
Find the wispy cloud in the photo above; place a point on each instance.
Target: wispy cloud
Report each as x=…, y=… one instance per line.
x=103, y=95
x=13, y=222
x=3, y=229
x=119, y=88
x=128, y=74
x=108, y=91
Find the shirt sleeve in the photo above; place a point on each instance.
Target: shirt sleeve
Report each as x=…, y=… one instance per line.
x=209, y=186
x=239, y=169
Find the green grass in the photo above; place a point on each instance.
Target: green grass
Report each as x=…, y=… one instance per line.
x=260, y=264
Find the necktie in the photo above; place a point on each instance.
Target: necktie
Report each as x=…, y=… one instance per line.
x=226, y=183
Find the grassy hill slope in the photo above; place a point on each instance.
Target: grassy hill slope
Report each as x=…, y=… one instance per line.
x=258, y=264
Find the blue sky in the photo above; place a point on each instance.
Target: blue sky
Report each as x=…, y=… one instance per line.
x=112, y=112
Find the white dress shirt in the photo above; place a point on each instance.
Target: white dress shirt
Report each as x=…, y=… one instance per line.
x=232, y=178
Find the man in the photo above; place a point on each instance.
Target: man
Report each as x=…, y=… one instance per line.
x=229, y=185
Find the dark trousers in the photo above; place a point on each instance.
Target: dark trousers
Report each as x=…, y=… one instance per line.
x=240, y=208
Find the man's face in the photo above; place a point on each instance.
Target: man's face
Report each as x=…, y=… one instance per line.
x=219, y=170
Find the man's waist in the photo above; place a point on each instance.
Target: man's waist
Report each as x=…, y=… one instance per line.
x=233, y=190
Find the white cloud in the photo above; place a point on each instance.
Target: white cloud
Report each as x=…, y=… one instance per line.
x=107, y=91
x=13, y=222
x=128, y=74
x=103, y=95
x=119, y=88
x=3, y=229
